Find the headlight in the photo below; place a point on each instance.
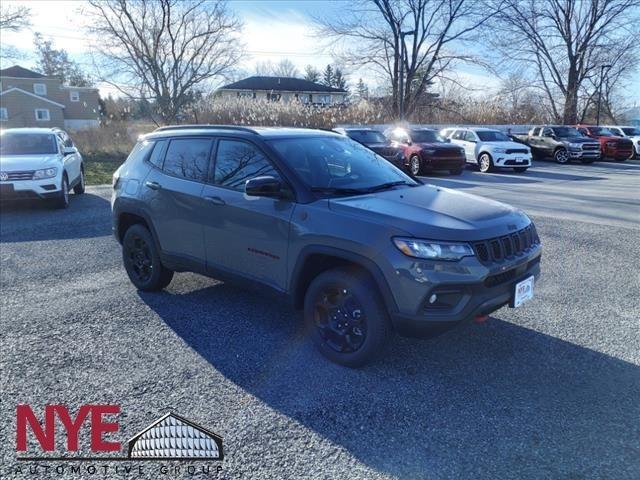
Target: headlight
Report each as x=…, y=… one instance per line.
x=500, y=150
x=611, y=144
x=575, y=145
x=414, y=247
x=45, y=173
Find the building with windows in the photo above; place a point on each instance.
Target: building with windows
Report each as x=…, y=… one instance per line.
x=30, y=99
x=284, y=89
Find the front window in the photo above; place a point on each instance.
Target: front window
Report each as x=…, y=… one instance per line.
x=74, y=96
x=28, y=144
x=367, y=136
x=601, y=132
x=39, y=89
x=631, y=132
x=237, y=162
x=492, y=136
x=567, y=132
x=426, y=136
x=338, y=164
x=42, y=115
x=324, y=99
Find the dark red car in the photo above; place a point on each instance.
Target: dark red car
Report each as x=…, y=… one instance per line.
x=618, y=148
x=425, y=151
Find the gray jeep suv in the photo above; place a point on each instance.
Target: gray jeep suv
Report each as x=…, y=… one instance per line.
x=361, y=247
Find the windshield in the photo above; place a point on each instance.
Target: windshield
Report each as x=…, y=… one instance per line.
x=567, y=132
x=601, y=131
x=28, y=144
x=492, y=136
x=336, y=163
x=367, y=136
x=631, y=132
x=426, y=136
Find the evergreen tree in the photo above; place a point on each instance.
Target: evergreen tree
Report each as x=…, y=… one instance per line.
x=339, y=80
x=362, y=90
x=327, y=76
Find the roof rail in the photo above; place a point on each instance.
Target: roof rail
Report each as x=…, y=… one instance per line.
x=205, y=126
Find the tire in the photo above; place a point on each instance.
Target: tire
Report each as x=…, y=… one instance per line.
x=485, y=163
x=457, y=171
x=79, y=188
x=366, y=328
x=415, y=168
x=561, y=156
x=61, y=201
x=142, y=260
x=521, y=169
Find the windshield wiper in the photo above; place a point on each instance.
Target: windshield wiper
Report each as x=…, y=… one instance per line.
x=385, y=186
x=340, y=191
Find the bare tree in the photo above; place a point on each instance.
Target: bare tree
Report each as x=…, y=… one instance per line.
x=563, y=43
x=163, y=49
x=374, y=34
x=285, y=68
x=264, y=68
x=311, y=74
x=12, y=19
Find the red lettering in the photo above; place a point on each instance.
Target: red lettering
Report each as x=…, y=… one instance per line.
x=72, y=428
x=100, y=427
x=46, y=437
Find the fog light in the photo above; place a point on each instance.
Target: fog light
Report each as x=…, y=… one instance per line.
x=433, y=298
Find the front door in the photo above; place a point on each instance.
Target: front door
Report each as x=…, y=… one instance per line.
x=245, y=235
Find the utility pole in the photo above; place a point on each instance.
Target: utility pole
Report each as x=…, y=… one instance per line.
x=401, y=71
x=602, y=69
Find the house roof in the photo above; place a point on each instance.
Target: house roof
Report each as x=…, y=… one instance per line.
x=24, y=92
x=288, y=84
x=18, y=72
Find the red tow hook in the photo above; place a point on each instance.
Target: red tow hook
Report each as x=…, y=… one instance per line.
x=480, y=318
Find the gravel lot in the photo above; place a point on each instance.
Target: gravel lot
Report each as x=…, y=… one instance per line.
x=551, y=390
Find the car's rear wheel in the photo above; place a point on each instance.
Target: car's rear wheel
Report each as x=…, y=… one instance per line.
x=520, y=169
x=61, y=201
x=345, y=317
x=414, y=165
x=142, y=260
x=485, y=163
x=561, y=156
x=79, y=188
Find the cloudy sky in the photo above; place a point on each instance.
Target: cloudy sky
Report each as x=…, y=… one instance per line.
x=273, y=30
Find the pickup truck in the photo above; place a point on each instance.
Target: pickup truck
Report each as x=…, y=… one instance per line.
x=561, y=143
x=612, y=146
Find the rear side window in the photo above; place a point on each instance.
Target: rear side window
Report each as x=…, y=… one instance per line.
x=458, y=135
x=237, y=162
x=140, y=150
x=156, y=156
x=188, y=158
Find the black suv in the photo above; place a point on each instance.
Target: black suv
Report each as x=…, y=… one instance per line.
x=376, y=141
x=363, y=248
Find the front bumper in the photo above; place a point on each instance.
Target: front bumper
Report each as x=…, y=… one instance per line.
x=510, y=160
x=430, y=163
x=30, y=189
x=579, y=153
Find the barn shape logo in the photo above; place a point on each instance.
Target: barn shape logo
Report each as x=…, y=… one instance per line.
x=173, y=437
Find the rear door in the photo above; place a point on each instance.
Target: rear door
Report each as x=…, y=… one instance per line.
x=246, y=236
x=173, y=195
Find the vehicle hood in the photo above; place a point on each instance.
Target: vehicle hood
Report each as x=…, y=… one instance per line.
x=578, y=139
x=435, y=213
x=509, y=145
x=440, y=146
x=378, y=144
x=16, y=163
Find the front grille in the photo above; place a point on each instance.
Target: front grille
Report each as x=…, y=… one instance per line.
x=590, y=146
x=504, y=277
x=517, y=150
x=446, y=153
x=509, y=246
x=25, y=175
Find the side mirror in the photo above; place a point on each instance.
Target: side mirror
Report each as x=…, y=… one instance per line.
x=266, y=186
x=69, y=151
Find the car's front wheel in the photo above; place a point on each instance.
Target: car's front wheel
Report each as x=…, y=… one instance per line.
x=561, y=156
x=346, y=317
x=142, y=260
x=414, y=165
x=79, y=188
x=61, y=200
x=485, y=163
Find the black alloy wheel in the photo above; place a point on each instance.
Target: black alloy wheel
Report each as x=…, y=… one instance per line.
x=340, y=319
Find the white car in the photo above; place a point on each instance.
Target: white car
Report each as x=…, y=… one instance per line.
x=632, y=133
x=39, y=163
x=489, y=149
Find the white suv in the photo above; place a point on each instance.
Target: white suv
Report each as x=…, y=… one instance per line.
x=39, y=163
x=491, y=149
x=632, y=133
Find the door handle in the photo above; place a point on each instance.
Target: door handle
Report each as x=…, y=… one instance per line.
x=215, y=200
x=153, y=185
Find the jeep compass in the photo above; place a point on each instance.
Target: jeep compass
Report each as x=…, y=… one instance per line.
x=362, y=248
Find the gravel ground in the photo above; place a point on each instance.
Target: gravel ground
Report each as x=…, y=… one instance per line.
x=551, y=390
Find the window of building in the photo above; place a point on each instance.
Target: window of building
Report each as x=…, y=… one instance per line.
x=188, y=158
x=42, y=115
x=324, y=99
x=4, y=115
x=74, y=96
x=273, y=97
x=237, y=162
x=39, y=89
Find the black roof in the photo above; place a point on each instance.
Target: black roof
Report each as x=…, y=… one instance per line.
x=289, y=84
x=18, y=72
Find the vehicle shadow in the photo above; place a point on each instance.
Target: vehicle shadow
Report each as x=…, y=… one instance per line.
x=495, y=400
x=87, y=216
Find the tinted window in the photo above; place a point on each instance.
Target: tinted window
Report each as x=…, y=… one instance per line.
x=492, y=136
x=426, y=136
x=469, y=136
x=28, y=144
x=366, y=136
x=188, y=158
x=565, y=132
x=631, y=131
x=156, y=156
x=237, y=162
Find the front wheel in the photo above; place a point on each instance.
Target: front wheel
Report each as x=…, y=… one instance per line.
x=521, y=169
x=79, y=188
x=485, y=164
x=345, y=317
x=142, y=260
x=61, y=201
x=414, y=165
x=561, y=156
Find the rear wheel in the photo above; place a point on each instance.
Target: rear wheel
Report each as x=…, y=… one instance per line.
x=414, y=165
x=345, y=317
x=142, y=260
x=485, y=163
x=521, y=169
x=561, y=156
x=61, y=201
x=79, y=188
